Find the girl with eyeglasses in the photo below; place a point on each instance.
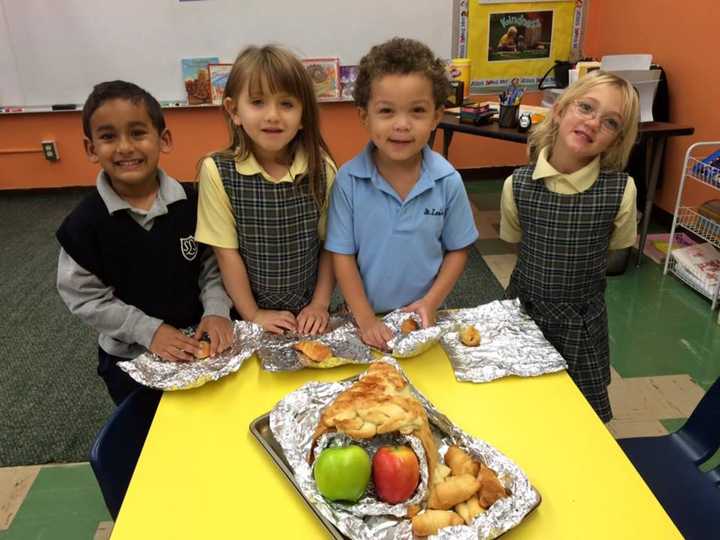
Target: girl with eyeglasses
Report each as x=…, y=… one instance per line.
x=566, y=210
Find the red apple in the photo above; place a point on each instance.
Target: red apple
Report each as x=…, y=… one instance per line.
x=396, y=473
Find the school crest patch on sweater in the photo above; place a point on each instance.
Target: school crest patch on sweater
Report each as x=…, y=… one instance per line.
x=188, y=247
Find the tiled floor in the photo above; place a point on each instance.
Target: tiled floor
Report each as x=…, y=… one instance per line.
x=665, y=350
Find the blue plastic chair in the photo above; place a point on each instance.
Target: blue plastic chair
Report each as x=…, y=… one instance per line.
x=117, y=447
x=669, y=466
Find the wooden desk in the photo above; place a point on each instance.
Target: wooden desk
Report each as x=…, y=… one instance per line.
x=652, y=134
x=203, y=475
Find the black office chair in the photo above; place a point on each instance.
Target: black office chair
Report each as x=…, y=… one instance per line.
x=117, y=447
x=669, y=466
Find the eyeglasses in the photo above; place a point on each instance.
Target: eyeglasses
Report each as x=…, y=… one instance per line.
x=588, y=111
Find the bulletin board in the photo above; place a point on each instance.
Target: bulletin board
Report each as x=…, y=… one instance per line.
x=508, y=40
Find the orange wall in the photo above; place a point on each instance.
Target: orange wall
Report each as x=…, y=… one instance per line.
x=683, y=38
x=196, y=131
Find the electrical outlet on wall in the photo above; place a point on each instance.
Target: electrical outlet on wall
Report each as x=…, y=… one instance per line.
x=50, y=150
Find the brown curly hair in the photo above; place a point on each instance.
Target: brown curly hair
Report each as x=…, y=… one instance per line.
x=401, y=56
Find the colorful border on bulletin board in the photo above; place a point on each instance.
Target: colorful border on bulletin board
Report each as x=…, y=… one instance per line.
x=491, y=69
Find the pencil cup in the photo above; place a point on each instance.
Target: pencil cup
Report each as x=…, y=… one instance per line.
x=508, y=116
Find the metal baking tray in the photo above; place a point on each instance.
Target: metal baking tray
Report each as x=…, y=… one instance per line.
x=260, y=428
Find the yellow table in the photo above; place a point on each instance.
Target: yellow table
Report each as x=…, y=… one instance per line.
x=202, y=475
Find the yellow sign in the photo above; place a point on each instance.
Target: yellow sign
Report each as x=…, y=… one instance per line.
x=517, y=39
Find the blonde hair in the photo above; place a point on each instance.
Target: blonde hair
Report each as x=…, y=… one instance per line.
x=615, y=157
x=275, y=69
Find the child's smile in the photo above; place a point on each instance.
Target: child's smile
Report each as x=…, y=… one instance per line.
x=400, y=116
x=126, y=144
x=586, y=128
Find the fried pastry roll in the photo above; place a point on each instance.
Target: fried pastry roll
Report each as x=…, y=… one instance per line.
x=431, y=521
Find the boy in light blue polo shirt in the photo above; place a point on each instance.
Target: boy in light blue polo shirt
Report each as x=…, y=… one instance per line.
x=400, y=221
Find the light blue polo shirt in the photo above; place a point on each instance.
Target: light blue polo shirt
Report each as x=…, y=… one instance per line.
x=399, y=245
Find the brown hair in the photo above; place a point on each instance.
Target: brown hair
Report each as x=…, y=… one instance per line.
x=615, y=157
x=401, y=56
x=278, y=70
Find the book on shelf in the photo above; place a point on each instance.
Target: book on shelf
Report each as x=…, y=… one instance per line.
x=218, y=74
x=197, y=79
x=656, y=245
x=708, y=169
x=348, y=76
x=700, y=263
x=325, y=75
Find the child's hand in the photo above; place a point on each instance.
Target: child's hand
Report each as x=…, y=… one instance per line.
x=375, y=333
x=312, y=319
x=171, y=344
x=275, y=321
x=425, y=311
x=219, y=330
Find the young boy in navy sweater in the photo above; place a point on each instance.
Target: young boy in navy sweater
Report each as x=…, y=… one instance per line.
x=129, y=265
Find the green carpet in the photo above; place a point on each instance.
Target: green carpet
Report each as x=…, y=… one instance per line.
x=52, y=403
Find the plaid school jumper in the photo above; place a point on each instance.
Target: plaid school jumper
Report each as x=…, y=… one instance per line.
x=278, y=240
x=560, y=273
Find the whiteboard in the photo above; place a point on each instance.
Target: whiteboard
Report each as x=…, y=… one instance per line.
x=54, y=51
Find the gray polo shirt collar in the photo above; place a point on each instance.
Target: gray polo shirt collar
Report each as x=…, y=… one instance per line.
x=170, y=191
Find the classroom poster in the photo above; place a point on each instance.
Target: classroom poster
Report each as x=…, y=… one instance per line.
x=507, y=40
x=519, y=35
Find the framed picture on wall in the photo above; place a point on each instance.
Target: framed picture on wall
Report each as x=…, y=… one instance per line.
x=325, y=74
x=219, y=74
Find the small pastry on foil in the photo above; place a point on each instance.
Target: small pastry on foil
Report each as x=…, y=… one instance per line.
x=469, y=509
x=453, y=490
x=431, y=521
x=460, y=462
x=204, y=351
x=409, y=325
x=312, y=352
x=470, y=336
x=491, y=488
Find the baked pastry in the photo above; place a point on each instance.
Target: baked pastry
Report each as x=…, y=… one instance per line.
x=204, y=351
x=469, y=336
x=312, y=352
x=491, y=488
x=379, y=402
x=469, y=509
x=460, y=462
x=431, y=521
x=409, y=325
x=453, y=490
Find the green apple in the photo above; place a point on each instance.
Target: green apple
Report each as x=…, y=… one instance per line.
x=342, y=473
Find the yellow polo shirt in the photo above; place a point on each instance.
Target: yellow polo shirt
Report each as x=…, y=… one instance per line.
x=216, y=220
x=625, y=224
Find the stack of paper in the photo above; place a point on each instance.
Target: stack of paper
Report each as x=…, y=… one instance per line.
x=635, y=68
x=700, y=264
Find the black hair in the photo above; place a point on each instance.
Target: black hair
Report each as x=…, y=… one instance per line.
x=106, y=91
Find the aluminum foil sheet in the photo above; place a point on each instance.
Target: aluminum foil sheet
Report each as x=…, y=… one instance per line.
x=293, y=422
x=276, y=351
x=417, y=341
x=511, y=344
x=150, y=370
